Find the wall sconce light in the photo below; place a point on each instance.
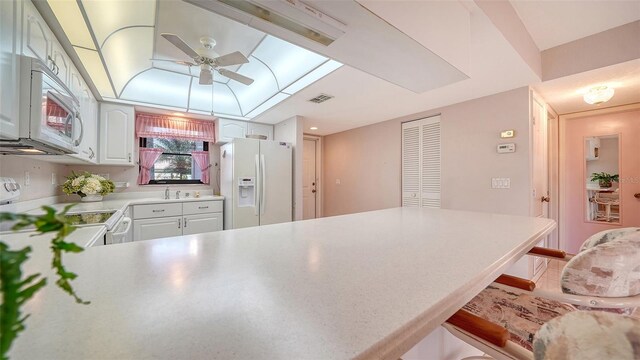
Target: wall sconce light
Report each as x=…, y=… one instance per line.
x=598, y=95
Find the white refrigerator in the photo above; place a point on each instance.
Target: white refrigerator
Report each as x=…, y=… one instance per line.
x=256, y=181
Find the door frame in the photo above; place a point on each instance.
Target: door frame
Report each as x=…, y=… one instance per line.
x=319, y=182
x=561, y=180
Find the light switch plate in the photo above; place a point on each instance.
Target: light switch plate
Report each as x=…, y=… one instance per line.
x=500, y=183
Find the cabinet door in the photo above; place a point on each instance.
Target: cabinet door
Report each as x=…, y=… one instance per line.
x=60, y=62
x=204, y=223
x=36, y=38
x=157, y=228
x=261, y=129
x=116, y=134
x=9, y=35
x=75, y=82
x=228, y=130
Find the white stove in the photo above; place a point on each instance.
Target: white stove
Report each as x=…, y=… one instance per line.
x=9, y=190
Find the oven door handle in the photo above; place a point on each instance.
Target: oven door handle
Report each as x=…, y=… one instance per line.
x=78, y=141
x=124, y=220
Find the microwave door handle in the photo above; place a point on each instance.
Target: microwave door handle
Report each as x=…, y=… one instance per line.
x=79, y=139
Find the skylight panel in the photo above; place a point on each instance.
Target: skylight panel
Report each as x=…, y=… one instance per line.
x=273, y=101
x=92, y=63
x=127, y=53
x=159, y=87
x=263, y=87
x=317, y=74
x=224, y=102
x=106, y=17
x=287, y=61
x=70, y=18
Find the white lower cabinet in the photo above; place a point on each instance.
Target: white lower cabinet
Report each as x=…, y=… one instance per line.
x=155, y=221
x=147, y=229
x=198, y=224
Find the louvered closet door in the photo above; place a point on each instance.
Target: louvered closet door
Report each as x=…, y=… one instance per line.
x=430, y=177
x=421, y=163
x=411, y=164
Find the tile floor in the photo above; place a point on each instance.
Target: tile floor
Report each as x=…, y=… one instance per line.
x=550, y=280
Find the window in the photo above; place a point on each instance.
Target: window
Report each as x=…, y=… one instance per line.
x=175, y=165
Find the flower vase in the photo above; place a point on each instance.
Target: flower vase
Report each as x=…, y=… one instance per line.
x=91, y=198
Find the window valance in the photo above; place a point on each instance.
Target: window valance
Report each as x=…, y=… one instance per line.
x=163, y=126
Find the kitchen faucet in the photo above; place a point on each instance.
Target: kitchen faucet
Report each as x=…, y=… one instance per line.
x=178, y=194
x=166, y=193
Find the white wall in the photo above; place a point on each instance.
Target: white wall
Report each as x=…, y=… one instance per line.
x=291, y=131
x=367, y=160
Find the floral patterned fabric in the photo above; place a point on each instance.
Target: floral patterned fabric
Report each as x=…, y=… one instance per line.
x=606, y=236
x=588, y=336
x=521, y=314
x=610, y=269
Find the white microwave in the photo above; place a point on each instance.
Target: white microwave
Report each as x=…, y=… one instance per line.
x=50, y=120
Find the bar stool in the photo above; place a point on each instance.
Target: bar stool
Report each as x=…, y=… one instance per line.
x=504, y=318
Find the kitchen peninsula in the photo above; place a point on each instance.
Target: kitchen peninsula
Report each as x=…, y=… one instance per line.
x=365, y=285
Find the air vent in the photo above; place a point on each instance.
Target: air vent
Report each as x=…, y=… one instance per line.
x=321, y=98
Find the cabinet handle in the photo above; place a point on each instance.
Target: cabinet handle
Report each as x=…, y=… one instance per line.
x=185, y=222
x=179, y=221
x=156, y=211
x=203, y=207
x=129, y=157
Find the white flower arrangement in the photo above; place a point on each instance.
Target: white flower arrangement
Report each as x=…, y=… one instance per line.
x=87, y=184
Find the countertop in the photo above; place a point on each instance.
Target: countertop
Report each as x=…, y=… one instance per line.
x=366, y=285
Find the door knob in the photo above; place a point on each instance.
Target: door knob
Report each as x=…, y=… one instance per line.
x=545, y=199
x=313, y=191
x=636, y=195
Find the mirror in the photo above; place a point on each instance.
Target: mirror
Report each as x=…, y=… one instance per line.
x=602, y=158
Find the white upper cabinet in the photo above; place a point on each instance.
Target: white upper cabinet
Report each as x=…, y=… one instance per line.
x=59, y=62
x=227, y=130
x=116, y=134
x=36, y=37
x=9, y=69
x=261, y=129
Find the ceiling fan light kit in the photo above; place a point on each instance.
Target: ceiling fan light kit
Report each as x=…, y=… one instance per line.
x=209, y=64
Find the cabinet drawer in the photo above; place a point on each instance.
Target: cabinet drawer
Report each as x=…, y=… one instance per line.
x=156, y=210
x=201, y=207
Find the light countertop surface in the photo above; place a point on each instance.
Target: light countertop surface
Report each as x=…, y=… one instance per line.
x=83, y=236
x=367, y=285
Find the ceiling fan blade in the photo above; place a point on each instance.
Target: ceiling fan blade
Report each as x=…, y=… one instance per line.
x=180, y=44
x=234, y=58
x=235, y=76
x=206, y=77
x=187, y=63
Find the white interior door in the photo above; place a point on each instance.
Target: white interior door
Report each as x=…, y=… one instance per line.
x=276, y=182
x=540, y=161
x=310, y=180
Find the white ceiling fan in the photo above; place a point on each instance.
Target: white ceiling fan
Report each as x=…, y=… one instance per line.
x=208, y=63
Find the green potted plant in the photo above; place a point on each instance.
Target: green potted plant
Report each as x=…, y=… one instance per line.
x=16, y=288
x=90, y=187
x=604, y=179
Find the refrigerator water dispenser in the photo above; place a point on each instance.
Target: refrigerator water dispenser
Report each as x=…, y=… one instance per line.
x=246, y=191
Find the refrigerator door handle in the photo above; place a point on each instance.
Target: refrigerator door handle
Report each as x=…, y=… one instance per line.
x=256, y=188
x=262, y=184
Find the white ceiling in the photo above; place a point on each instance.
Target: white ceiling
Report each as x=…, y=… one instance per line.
x=553, y=23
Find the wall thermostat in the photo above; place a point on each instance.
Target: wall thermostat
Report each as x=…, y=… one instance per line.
x=506, y=148
x=508, y=134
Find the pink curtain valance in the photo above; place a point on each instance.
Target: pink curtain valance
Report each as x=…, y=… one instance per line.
x=148, y=157
x=202, y=159
x=163, y=126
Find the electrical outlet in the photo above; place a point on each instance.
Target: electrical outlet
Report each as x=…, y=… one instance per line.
x=54, y=180
x=27, y=179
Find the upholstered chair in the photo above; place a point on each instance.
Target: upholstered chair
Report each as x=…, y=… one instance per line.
x=604, y=275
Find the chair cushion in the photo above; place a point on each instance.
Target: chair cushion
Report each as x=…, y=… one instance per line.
x=588, y=335
x=611, y=269
x=606, y=236
x=521, y=314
